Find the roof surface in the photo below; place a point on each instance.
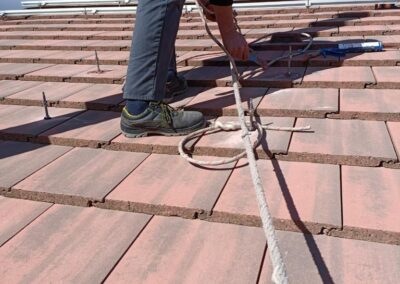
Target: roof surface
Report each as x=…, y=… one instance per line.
x=82, y=203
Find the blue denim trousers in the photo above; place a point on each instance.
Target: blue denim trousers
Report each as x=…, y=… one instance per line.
x=152, y=57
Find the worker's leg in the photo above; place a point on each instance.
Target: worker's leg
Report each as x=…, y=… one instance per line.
x=156, y=27
x=176, y=84
x=154, y=37
x=172, y=67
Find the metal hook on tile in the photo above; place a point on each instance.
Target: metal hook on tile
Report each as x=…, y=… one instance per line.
x=251, y=112
x=292, y=75
x=45, y=106
x=97, y=62
x=185, y=11
x=289, y=73
x=308, y=5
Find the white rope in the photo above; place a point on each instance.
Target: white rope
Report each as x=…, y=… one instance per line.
x=279, y=274
x=229, y=126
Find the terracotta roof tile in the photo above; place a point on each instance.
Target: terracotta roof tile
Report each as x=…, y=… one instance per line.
x=91, y=128
x=154, y=183
x=343, y=141
x=66, y=239
x=316, y=259
x=377, y=104
x=275, y=77
x=70, y=179
x=220, y=100
x=192, y=251
x=394, y=129
x=337, y=184
x=16, y=214
x=370, y=198
x=317, y=77
x=14, y=155
x=54, y=91
x=9, y=87
x=12, y=71
x=299, y=195
x=230, y=143
x=57, y=73
x=21, y=122
x=387, y=58
x=387, y=77
x=299, y=102
x=96, y=96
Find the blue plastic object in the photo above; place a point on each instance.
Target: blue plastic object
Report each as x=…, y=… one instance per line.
x=254, y=58
x=345, y=48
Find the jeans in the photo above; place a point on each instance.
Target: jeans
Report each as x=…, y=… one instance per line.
x=152, y=57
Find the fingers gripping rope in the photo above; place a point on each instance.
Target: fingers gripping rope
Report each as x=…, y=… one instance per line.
x=279, y=274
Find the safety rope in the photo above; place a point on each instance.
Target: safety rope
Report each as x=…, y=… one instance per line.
x=229, y=126
x=279, y=274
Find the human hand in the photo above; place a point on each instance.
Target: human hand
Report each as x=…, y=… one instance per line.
x=234, y=42
x=236, y=45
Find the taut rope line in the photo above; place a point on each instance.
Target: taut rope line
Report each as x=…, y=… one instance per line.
x=279, y=274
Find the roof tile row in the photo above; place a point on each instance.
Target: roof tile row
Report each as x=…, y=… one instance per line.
x=122, y=246
x=127, y=181
x=330, y=141
x=348, y=190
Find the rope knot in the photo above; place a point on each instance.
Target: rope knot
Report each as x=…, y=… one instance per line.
x=228, y=126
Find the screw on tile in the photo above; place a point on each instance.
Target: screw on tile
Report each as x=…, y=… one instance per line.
x=97, y=62
x=289, y=73
x=185, y=11
x=308, y=5
x=251, y=112
x=45, y=105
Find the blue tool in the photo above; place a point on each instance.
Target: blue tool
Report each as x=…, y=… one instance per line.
x=254, y=58
x=345, y=48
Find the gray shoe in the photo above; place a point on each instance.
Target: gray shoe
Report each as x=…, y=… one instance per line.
x=160, y=118
x=176, y=87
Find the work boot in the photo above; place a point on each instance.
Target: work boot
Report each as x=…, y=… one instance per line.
x=160, y=118
x=175, y=87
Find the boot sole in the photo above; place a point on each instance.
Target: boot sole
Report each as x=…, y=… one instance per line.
x=138, y=133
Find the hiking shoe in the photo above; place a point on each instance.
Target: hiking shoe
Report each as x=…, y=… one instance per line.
x=160, y=118
x=176, y=87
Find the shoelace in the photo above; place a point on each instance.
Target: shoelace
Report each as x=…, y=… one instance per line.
x=166, y=111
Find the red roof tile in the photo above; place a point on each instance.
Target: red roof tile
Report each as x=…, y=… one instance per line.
x=64, y=243
x=296, y=192
x=16, y=215
x=338, y=185
x=349, y=142
x=192, y=251
x=70, y=178
x=316, y=259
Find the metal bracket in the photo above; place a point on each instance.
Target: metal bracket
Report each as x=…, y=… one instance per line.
x=97, y=62
x=251, y=111
x=289, y=72
x=185, y=11
x=45, y=106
